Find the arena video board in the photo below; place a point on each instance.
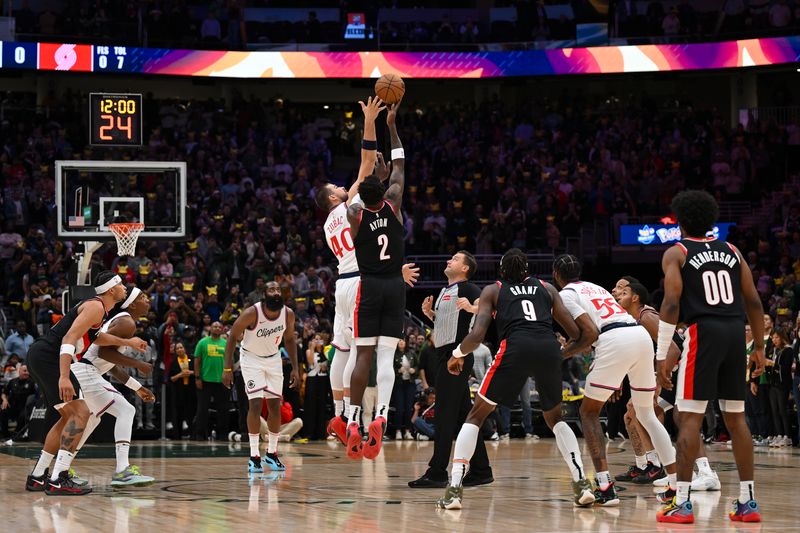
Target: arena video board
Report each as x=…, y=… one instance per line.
x=236, y=64
x=662, y=234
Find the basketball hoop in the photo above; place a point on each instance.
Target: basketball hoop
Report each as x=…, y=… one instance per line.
x=126, y=233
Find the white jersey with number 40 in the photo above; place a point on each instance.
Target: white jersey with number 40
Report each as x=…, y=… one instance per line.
x=583, y=297
x=339, y=238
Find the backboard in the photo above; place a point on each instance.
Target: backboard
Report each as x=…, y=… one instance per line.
x=90, y=195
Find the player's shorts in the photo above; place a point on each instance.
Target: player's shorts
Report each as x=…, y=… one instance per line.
x=346, y=294
x=98, y=393
x=519, y=357
x=380, y=307
x=713, y=364
x=621, y=351
x=43, y=364
x=263, y=376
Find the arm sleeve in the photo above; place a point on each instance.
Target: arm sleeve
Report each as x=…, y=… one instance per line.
x=572, y=302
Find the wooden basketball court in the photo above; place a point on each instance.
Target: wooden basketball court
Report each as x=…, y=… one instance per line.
x=205, y=487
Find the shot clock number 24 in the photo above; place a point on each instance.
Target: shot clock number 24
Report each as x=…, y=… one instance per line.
x=116, y=119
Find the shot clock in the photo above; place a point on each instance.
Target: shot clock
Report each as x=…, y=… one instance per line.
x=115, y=119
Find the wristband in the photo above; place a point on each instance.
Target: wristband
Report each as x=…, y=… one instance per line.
x=68, y=349
x=369, y=145
x=227, y=370
x=398, y=153
x=457, y=353
x=665, y=331
x=133, y=384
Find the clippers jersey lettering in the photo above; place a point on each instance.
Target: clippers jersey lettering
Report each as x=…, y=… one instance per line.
x=379, y=243
x=93, y=353
x=523, y=308
x=340, y=240
x=56, y=334
x=712, y=280
x=265, y=338
x=583, y=297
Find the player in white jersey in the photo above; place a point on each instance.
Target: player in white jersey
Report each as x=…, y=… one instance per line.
x=261, y=328
x=623, y=347
x=335, y=200
x=101, y=397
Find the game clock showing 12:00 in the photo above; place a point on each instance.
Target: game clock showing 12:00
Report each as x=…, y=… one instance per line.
x=116, y=119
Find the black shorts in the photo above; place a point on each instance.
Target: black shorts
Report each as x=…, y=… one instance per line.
x=380, y=307
x=42, y=361
x=518, y=358
x=713, y=364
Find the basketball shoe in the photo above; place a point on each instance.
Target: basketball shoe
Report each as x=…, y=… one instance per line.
x=705, y=481
x=632, y=473
x=649, y=474
x=451, y=499
x=666, y=496
x=37, y=484
x=131, y=477
x=745, y=512
x=254, y=465
x=354, y=443
x=373, y=446
x=338, y=428
x=76, y=479
x=64, y=486
x=584, y=496
x=271, y=461
x=606, y=497
x=676, y=514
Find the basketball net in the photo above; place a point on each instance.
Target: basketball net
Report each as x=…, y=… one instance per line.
x=126, y=233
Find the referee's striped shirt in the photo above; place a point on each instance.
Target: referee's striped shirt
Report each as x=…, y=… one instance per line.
x=449, y=324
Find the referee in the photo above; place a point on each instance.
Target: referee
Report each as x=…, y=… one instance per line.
x=452, y=316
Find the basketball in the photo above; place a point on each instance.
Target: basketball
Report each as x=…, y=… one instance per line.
x=390, y=88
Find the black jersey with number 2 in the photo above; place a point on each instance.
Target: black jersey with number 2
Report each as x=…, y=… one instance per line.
x=712, y=278
x=523, y=308
x=379, y=242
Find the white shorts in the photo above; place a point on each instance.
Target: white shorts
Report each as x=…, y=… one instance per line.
x=620, y=352
x=98, y=393
x=263, y=376
x=346, y=293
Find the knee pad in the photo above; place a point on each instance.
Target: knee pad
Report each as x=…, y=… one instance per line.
x=731, y=406
x=691, y=406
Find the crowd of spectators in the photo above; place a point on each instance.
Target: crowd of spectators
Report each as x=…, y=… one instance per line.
x=485, y=177
x=224, y=24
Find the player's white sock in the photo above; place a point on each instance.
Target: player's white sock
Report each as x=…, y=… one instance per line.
x=122, y=455
x=63, y=460
x=44, y=461
x=747, y=491
x=652, y=457
x=568, y=446
x=91, y=425
x=672, y=479
x=382, y=410
x=346, y=410
x=465, y=446
x=272, y=442
x=338, y=407
x=703, y=466
x=683, y=492
x=385, y=376
x=254, y=451
x=641, y=462
x=603, y=479
x=355, y=415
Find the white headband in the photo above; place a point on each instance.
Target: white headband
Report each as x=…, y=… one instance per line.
x=131, y=297
x=105, y=287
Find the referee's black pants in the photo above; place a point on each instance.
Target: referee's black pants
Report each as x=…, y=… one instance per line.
x=453, y=404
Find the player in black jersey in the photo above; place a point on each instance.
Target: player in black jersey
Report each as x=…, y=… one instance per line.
x=49, y=360
x=709, y=283
x=523, y=308
x=377, y=230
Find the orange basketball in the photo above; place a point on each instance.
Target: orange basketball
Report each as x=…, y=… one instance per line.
x=390, y=88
